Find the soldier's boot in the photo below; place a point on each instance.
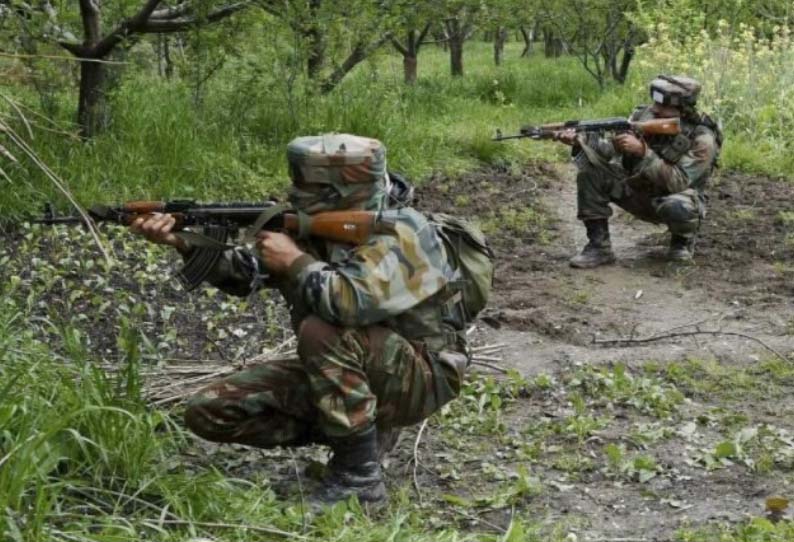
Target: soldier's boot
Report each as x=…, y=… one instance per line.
x=598, y=250
x=353, y=470
x=682, y=248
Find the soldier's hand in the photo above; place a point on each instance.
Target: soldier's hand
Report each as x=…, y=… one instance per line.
x=628, y=143
x=157, y=228
x=278, y=251
x=567, y=137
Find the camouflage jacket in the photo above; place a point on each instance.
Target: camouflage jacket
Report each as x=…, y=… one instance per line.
x=397, y=279
x=666, y=167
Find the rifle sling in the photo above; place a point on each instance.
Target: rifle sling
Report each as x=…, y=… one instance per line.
x=267, y=215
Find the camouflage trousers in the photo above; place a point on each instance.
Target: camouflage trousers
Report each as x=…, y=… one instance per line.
x=343, y=381
x=597, y=187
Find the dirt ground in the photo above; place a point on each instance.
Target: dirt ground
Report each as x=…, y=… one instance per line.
x=732, y=310
x=743, y=280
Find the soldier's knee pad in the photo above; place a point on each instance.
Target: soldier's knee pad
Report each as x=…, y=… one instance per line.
x=314, y=337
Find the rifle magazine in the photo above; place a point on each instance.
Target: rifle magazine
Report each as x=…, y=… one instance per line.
x=202, y=260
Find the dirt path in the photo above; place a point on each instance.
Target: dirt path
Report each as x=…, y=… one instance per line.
x=551, y=313
x=585, y=435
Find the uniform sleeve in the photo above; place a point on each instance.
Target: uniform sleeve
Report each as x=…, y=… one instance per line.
x=693, y=166
x=385, y=277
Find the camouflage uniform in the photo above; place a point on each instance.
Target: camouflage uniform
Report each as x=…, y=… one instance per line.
x=649, y=187
x=664, y=186
x=380, y=338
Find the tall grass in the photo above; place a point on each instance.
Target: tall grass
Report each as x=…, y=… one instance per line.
x=167, y=141
x=82, y=458
x=230, y=144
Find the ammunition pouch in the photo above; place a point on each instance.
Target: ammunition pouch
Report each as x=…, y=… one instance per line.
x=677, y=147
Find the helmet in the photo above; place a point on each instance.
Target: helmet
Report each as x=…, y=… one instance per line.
x=675, y=90
x=337, y=171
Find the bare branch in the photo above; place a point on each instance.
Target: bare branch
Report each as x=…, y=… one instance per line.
x=422, y=35
x=360, y=52
x=124, y=29
x=158, y=26
x=399, y=46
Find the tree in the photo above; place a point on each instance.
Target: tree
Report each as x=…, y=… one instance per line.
x=412, y=24
x=598, y=32
x=55, y=21
x=325, y=29
x=459, y=18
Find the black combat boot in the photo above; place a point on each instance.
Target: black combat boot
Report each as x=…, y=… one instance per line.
x=353, y=470
x=682, y=248
x=598, y=250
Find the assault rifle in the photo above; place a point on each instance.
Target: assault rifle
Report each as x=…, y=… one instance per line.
x=218, y=222
x=671, y=126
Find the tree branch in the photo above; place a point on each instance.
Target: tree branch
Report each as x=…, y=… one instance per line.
x=124, y=29
x=399, y=46
x=181, y=24
x=359, y=53
x=422, y=35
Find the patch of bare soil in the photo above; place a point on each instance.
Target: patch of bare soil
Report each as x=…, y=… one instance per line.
x=747, y=245
x=733, y=308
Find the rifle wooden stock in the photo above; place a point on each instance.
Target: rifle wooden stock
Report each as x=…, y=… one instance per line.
x=670, y=126
x=352, y=227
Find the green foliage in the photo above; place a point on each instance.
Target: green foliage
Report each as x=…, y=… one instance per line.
x=754, y=530
x=618, y=386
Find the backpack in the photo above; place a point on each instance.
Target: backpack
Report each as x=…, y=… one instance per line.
x=469, y=254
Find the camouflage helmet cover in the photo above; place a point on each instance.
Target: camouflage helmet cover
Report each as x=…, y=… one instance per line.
x=337, y=159
x=675, y=90
x=351, y=167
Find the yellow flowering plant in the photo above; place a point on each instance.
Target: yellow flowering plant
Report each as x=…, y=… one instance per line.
x=748, y=83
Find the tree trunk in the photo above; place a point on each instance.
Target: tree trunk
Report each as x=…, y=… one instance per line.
x=623, y=71
x=527, y=35
x=456, y=55
x=316, y=60
x=500, y=37
x=552, y=44
x=165, y=67
x=409, y=69
x=316, y=41
x=91, y=114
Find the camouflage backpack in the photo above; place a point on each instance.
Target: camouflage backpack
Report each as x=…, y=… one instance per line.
x=469, y=254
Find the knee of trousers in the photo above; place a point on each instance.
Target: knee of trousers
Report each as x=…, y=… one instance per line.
x=681, y=215
x=315, y=337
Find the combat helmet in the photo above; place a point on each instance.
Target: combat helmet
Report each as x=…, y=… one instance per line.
x=675, y=90
x=337, y=171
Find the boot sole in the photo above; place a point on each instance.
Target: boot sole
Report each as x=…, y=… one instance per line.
x=577, y=265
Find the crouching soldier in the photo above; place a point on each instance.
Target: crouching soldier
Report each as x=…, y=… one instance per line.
x=659, y=179
x=379, y=326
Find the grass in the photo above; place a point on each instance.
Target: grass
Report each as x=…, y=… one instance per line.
x=230, y=144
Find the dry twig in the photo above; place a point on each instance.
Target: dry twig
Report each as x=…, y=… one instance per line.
x=662, y=336
x=416, y=459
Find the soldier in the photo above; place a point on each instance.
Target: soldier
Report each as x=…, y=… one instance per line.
x=379, y=329
x=658, y=179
